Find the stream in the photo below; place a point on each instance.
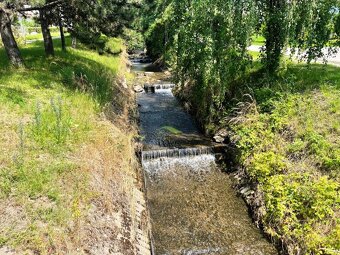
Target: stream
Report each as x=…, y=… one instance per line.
x=193, y=207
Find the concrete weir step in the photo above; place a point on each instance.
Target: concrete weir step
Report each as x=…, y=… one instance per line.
x=153, y=87
x=178, y=153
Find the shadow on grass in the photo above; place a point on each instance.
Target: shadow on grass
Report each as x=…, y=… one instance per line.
x=75, y=71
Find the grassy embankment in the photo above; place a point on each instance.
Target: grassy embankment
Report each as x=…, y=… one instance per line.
x=287, y=132
x=39, y=36
x=66, y=157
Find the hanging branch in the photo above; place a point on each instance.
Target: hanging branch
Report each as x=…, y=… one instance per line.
x=37, y=8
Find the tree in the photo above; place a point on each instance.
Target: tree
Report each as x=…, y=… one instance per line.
x=46, y=16
x=275, y=32
x=61, y=29
x=44, y=21
x=8, y=39
x=303, y=25
x=337, y=28
x=88, y=19
x=206, y=42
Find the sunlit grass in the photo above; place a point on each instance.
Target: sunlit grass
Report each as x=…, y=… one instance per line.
x=39, y=36
x=258, y=40
x=49, y=119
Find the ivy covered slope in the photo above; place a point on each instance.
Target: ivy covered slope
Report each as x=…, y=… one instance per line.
x=288, y=142
x=66, y=153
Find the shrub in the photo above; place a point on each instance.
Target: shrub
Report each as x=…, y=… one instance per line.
x=265, y=164
x=113, y=46
x=134, y=39
x=301, y=208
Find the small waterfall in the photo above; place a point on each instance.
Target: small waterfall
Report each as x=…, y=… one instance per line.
x=190, y=159
x=143, y=60
x=176, y=153
x=153, y=87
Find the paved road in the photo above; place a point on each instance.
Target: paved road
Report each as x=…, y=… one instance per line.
x=333, y=59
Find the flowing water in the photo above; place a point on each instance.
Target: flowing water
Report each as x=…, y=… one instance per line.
x=194, y=208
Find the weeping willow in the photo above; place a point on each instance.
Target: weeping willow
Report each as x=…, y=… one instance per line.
x=206, y=41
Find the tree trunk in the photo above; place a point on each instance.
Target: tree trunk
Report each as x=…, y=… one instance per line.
x=62, y=36
x=275, y=34
x=8, y=39
x=74, y=42
x=48, y=42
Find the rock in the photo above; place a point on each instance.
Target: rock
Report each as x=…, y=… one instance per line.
x=124, y=84
x=148, y=73
x=244, y=190
x=138, y=89
x=220, y=136
x=218, y=139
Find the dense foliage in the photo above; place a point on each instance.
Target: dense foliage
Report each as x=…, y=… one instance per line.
x=206, y=41
x=91, y=18
x=85, y=19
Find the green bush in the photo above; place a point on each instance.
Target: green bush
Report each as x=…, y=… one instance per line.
x=113, y=46
x=134, y=39
x=301, y=208
x=266, y=164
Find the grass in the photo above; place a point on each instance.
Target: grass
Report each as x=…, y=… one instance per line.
x=255, y=55
x=258, y=40
x=39, y=36
x=65, y=137
x=286, y=130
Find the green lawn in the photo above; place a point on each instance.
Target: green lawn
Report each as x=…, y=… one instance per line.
x=54, y=137
x=258, y=40
x=255, y=55
x=39, y=36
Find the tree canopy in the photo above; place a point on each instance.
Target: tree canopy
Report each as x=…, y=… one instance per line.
x=206, y=41
x=86, y=19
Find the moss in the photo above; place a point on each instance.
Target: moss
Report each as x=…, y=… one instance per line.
x=172, y=130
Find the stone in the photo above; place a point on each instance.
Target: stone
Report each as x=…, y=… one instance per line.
x=124, y=84
x=220, y=136
x=138, y=89
x=148, y=73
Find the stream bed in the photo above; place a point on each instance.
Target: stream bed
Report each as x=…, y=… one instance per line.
x=193, y=207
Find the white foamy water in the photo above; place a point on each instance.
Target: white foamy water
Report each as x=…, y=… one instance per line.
x=199, y=164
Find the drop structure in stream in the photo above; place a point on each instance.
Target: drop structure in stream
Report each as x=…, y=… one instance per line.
x=193, y=207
